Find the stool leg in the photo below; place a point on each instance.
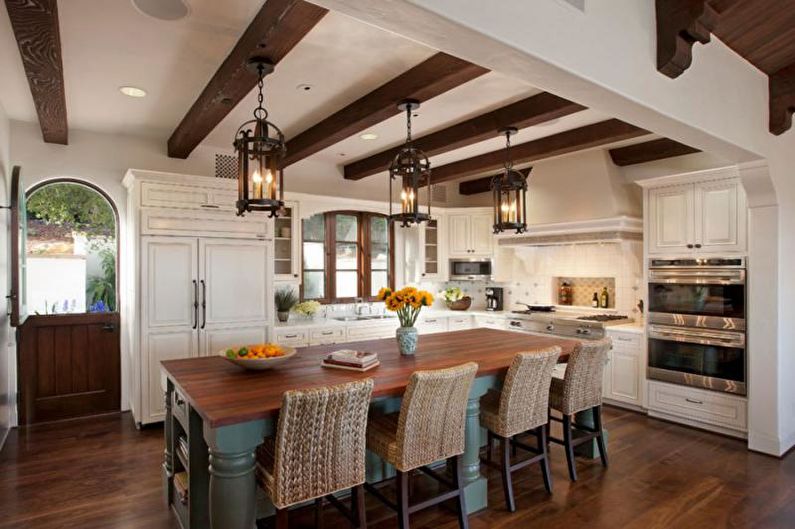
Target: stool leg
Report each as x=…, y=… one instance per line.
x=489, y=445
x=600, y=440
x=403, y=499
x=281, y=519
x=319, y=513
x=543, y=446
x=458, y=481
x=569, y=446
x=507, y=482
x=358, y=507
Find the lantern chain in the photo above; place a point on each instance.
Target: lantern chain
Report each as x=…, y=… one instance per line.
x=508, y=160
x=260, y=113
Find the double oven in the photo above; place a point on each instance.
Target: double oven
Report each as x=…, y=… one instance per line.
x=697, y=311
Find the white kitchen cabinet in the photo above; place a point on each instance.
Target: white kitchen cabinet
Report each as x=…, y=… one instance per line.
x=470, y=234
x=711, y=410
x=490, y=322
x=326, y=335
x=460, y=323
x=671, y=219
x=432, y=251
x=432, y=325
x=482, y=234
x=706, y=217
x=721, y=216
x=371, y=331
x=213, y=341
x=287, y=244
x=292, y=337
x=624, y=369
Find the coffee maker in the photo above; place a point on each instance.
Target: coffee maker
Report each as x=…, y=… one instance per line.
x=493, y=298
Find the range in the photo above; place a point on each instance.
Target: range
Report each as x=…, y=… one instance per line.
x=565, y=324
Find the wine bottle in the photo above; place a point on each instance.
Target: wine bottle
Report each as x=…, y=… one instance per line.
x=604, y=299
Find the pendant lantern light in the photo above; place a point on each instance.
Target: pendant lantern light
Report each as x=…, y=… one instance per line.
x=412, y=169
x=260, y=149
x=510, y=193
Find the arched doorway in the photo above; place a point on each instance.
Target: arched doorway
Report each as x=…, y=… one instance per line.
x=69, y=344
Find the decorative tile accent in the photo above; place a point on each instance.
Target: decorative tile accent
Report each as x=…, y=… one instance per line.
x=225, y=166
x=583, y=289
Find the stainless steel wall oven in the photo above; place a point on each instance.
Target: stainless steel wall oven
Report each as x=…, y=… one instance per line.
x=697, y=310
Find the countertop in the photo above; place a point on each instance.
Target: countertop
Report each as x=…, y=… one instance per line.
x=299, y=322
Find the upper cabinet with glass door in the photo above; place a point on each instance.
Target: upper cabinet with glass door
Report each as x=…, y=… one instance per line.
x=432, y=251
x=287, y=244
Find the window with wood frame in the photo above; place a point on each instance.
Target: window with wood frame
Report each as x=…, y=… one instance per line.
x=346, y=255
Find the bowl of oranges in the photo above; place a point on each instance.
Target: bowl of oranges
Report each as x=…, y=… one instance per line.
x=259, y=356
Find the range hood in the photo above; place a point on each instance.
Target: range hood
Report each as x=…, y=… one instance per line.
x=598, y=231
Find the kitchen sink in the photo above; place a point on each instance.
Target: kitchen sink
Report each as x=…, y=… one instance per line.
x=364, y=318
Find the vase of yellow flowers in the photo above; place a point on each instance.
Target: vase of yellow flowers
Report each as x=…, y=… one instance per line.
x=407, y=303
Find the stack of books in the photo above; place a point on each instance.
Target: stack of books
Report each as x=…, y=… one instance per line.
x=351, y=360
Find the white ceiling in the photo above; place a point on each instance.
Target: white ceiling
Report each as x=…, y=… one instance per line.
x=110, y=44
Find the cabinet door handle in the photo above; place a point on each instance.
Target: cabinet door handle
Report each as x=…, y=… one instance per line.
x=694, y=401
x=204, y=303
x=195, y=304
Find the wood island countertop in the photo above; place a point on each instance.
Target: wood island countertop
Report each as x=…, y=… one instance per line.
x=224, y=394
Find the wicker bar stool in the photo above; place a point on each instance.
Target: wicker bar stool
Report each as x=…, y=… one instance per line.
x=579, y=390
x=318, y=449
x=429, y=428
x=521, y=406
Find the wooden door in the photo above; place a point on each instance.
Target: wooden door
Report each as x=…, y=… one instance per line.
x=671, y=219
x=720, y=216
x=482, y=233
x=69, y=366
x=170, y=294
x=460, y=235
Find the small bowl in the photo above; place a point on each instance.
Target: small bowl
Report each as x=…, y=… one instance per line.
x=260, y=364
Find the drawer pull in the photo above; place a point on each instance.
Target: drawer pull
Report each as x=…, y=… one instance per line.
x=430, y=321
x=211, y=206
x=179, y=401
x=291, y=336
x=327, y=333
x=694, y=401
x=622, y=339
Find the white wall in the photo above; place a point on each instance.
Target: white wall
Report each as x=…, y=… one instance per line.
x=605, y=58
x=7, y=366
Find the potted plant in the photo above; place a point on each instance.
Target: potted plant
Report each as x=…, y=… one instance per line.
x=455, y=299
x=285, y=300
x=407, y=303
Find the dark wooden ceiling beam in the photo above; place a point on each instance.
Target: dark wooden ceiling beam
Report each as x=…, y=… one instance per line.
x=275, y=30
x=587, y=137
x=649, y=151
x=482, y=185
x=782, y=99
x=680, y=24
x=35, y=25
x=428, y=79
x=530, y=111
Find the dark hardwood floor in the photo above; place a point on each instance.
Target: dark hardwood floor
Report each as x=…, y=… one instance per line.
x=103, y=473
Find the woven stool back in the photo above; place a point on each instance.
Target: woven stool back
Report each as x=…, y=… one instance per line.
x=582, y=384
x=433, y=416
x=524, y=400
x=320, y=441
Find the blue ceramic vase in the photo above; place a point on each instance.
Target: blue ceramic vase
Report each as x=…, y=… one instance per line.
x=407, y=340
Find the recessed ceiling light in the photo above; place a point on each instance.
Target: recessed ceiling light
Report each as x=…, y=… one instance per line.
x=369, y=136
x=169, y=10
x=132, y=91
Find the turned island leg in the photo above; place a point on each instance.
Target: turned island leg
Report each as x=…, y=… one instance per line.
x=233, y=487
x=476, y=491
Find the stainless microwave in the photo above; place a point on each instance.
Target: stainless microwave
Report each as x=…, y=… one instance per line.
x=472, y=269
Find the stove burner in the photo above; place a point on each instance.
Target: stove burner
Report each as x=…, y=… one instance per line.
x=603, y=317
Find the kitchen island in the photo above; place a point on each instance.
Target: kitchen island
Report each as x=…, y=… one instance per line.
x=218, y=408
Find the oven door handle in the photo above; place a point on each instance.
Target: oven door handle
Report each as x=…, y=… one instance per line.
x=698, y=338
x=698, y=277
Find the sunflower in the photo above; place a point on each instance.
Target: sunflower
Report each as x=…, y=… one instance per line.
x=394, y=302
x=427, y=298
x=414, y=299
x=384, y=293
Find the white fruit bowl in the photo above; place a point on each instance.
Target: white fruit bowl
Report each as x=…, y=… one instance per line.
x=259, y=364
